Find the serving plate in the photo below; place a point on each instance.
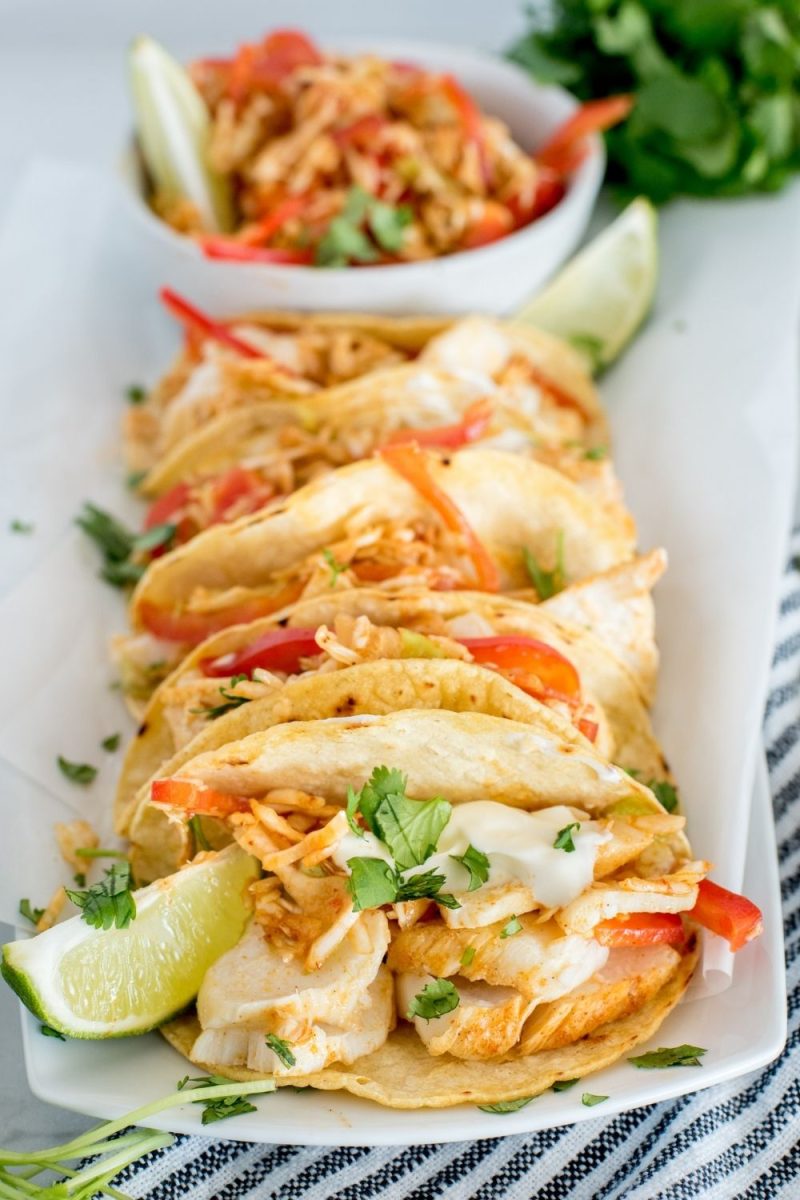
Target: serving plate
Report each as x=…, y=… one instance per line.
x=703, y=410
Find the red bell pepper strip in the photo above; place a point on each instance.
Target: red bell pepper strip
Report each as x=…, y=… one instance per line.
x=641, y=929
x=727, y=914
x=588, y=728
x=167, y=506
x=192, y=628
x=276, y=650
x=471, y=121
x=515, y=653
x=229, y=250
x=195, y=321
x=269, y=225
x=408, y=461
x=471, y=428
x=191, y=797
x=567, y=148
x=288, y=49
x=236, y=486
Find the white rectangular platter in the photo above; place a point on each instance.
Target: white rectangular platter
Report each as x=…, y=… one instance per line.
x=703, y=411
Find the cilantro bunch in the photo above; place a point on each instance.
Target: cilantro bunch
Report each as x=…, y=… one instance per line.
x=717, y=87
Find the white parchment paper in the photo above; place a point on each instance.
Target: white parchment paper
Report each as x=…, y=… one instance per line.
x=703, y=410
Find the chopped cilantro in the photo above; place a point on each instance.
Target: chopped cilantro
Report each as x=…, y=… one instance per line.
x=83, y=773
x=476, y=863
x=218, y=1109
x=438, y=997
x=564, y=837
x=371, y=883
x=563, y=1085
x=590, y=1099
x=347, y=238
x=280, y=1048
x=511, y=927
x=669, y=1056
x=468, y=956
x=506, y=1106
x=547, y=583
x=17, y=526
x=111, y=743
x=410, y=828
x=665, y=793
x=34, y=915
x=334, y=564
x=135, y=393
x=109, y=902
x=596, y=454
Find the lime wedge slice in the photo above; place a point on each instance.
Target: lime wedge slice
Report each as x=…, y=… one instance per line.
x=95, y=983
x=173, y=124
x=600, y=298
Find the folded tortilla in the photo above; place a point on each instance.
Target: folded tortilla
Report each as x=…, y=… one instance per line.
x=606, y=681
x=531, y=766
x=511, y=504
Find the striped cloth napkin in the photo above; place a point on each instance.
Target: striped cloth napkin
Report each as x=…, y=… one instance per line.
x=736, y=1141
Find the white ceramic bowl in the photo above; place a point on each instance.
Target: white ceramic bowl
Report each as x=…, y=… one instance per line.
x=494, y=279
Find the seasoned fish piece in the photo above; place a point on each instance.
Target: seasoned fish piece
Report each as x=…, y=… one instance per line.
x=486, y=1023
x=627, y=981
x=321, y=1045
x=662, y=894
x=538, y=961
x=254, y=986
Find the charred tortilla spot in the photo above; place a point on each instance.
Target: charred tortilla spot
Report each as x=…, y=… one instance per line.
x=142, y=730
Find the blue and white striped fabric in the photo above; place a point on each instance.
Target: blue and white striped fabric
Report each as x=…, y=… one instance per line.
x=737, y=1141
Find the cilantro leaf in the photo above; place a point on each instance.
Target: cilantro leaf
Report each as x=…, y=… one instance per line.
x=17, y=526
x=564, y=837
x=111, y=743
x=109, y=902
x=665, y=793
x=425, y=886
x=476, y=863
x=83, y=773
x=410, y=828
x=280, y=1048
x=157, y=537
x=590, y=1099
x=438, y=997
x=134, y=478
x=386, y=224
x=353, y=801
x=135, y=393
x=115, y=542
x=669, y=1056
x=371, y=883
x=26, y=910
x=563, y=1085
x=512, y=926
x=596, y=454
x=220, y=1109
x=334, y=564
x=230, y=700
x=547, y=583
x=506, y=1106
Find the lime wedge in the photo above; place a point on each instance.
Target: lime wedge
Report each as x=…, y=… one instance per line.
x=173, y=124
x=95, y=983
x=600, y=298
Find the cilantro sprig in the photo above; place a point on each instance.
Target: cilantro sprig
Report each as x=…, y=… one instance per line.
x=77, y=772
x=476, y=863
x=109, y=902
x=119, y=546
x=564, y=840
x=230, y=700
x=410, y=831
x=26, y=910
x=716, y=87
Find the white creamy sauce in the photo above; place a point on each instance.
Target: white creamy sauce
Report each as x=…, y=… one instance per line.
x=519, y=846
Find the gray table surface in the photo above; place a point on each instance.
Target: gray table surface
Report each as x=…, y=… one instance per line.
x=74, y=53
